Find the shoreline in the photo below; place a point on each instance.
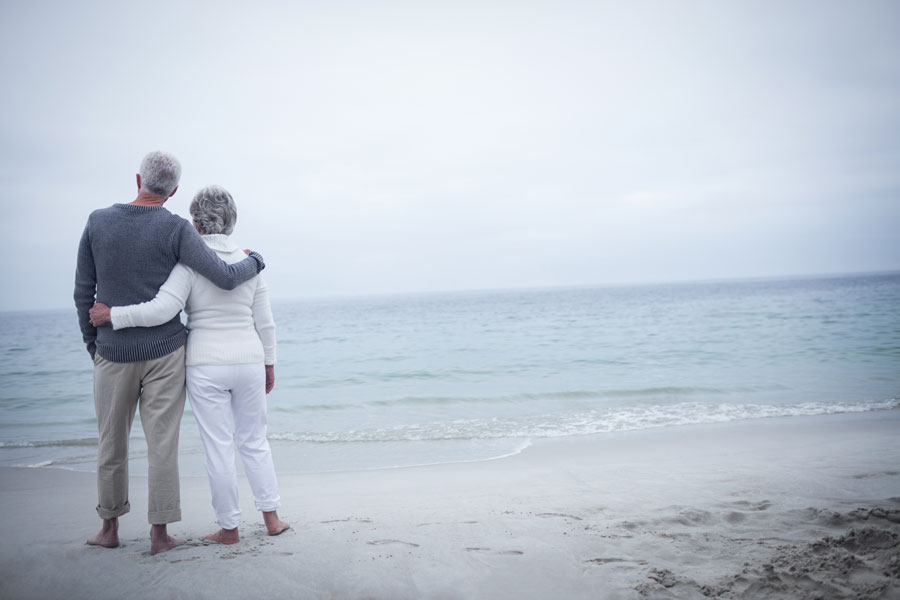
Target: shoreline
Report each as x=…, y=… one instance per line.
x=656, y=513
x=294, y=453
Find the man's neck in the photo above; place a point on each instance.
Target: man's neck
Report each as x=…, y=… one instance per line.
x=145, y=198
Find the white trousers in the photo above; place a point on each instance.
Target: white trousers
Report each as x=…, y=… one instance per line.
x=229, y=402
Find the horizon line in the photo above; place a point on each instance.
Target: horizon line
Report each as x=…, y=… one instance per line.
x=536, y=288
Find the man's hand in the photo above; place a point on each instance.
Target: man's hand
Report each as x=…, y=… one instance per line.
x=270, y=378
x=99, y=315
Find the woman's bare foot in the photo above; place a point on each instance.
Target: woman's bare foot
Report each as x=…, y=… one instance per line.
x=224, y=536
x=274, y=525
x=108, y=536
x=160, y=540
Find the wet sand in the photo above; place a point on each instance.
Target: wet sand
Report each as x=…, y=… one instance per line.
x=801, y=507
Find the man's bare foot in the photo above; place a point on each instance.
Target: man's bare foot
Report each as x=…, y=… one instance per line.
x=108, y=536
x=160, y=540
x=224, y=536
x=274, y=525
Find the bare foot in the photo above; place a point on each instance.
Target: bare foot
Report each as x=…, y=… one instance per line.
x=108, y=536
x=160, y=540
x=223, y=536
x=274, y=525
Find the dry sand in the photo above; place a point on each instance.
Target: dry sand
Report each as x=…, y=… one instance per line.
x=774, y=508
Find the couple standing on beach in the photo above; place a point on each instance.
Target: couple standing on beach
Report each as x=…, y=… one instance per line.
x=149, y=264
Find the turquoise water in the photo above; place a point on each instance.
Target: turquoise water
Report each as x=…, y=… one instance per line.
x=399, y=380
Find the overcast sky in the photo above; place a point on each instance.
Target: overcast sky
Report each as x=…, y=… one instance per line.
x=377, y=147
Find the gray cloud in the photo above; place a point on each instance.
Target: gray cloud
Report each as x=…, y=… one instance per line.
x=405, y=147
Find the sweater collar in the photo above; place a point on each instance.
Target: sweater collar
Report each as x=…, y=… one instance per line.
x=219, y=241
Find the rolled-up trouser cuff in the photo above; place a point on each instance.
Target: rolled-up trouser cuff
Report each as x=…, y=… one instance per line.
x=229, y=521
x=269, y=506
x=164, y=516
x=112, y=513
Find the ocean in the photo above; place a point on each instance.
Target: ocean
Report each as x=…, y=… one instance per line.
x=390, y=381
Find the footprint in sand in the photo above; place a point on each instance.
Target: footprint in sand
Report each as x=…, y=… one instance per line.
x=735, y=517
x=663, y=577
x=749, y=506
x=383, y=542
x=347, y=520
x=606, y=561
x=498, y=552
x=874, y=475
x=184, y=559
x=691, y=517
x=562, y=515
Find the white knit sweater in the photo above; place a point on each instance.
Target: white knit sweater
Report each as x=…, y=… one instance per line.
x=225, y=327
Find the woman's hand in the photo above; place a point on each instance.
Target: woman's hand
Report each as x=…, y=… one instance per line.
x=270, y=378
x=99, y=315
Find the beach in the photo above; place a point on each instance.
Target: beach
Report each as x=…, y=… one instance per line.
x=792, y=507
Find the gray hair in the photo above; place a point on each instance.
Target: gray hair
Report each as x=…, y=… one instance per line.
x=160, y=173
x=214, y=211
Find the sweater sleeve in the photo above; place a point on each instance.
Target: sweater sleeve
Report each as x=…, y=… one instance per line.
x=264, y=321
x=193, y=252
x=169, y=300
x=86, y=290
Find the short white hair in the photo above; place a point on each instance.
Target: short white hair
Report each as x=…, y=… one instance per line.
x=160, y=173
x=214, y=210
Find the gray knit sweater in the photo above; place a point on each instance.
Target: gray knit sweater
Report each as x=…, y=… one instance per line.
x=125, y=255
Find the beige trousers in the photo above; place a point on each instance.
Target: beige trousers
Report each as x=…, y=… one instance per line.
x=157, y=387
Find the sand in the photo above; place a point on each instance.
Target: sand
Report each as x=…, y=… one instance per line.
x=802, y=507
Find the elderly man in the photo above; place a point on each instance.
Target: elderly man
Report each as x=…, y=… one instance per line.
x=125, y=254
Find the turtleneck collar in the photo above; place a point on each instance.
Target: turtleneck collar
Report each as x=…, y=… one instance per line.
x=219, y=241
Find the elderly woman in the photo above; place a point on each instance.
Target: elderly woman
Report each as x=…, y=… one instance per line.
x=229, y=358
